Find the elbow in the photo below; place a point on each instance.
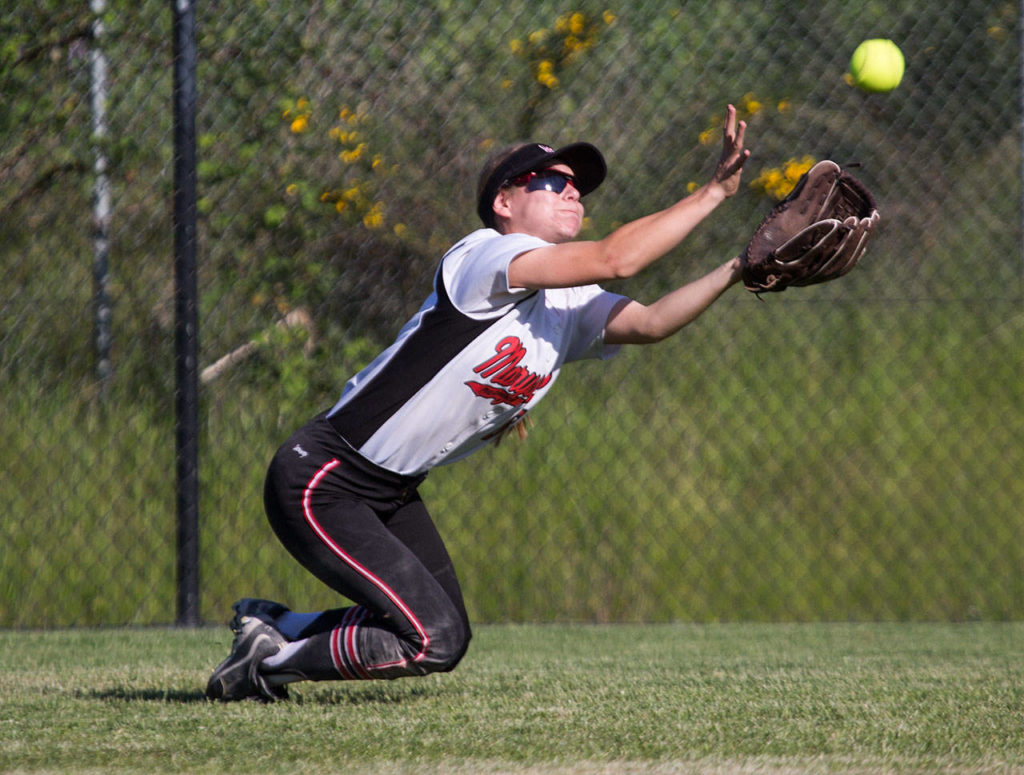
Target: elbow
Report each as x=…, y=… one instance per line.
x=635, y=337
x=620, y=267
x=651, y=336
x=656, y=328
x=635, y=323
x=615, y=260
x=639, y=333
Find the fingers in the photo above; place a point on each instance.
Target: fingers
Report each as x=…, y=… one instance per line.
x=735, y=131
x=730, y=124
x=734, y=155
x=732, y=165
x=733, y=152
x=740, y=135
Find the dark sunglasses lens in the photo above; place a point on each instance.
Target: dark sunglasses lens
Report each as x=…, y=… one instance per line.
x=548, y=181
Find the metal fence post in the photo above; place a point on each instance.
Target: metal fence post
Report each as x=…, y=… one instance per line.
x=186, y=313
x=101, y=197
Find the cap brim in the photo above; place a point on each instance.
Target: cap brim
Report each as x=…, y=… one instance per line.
x=588, y=166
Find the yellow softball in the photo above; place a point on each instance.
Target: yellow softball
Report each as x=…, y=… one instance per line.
x=877, y=65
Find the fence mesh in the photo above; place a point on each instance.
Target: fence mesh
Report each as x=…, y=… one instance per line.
x=849, y=451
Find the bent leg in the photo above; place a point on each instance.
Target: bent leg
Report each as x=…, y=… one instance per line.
x=406, y=621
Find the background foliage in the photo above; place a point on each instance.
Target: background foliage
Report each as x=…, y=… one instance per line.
x=847, y=452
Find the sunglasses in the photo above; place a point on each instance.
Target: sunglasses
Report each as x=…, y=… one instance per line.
x=546, y=180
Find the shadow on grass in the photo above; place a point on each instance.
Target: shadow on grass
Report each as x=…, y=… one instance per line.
x=383, y=693
x=119, y=694
x=372, y=693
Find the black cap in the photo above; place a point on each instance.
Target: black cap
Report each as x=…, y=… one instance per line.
x=587, y=164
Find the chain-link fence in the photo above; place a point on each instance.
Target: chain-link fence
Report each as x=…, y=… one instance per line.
x=849, y=451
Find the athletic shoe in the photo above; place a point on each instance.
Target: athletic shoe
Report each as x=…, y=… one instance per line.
x=238, y=677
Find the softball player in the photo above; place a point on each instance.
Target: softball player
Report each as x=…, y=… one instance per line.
x=511, y=303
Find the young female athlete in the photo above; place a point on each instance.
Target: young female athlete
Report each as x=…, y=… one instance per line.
x=511, y=303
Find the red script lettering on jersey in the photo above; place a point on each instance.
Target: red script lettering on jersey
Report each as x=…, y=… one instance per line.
x=511, y=383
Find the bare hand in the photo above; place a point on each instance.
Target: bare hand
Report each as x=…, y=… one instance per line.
x=734, y=155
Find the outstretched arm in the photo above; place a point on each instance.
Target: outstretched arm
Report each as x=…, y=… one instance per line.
x=639, y=243
x=634, y=323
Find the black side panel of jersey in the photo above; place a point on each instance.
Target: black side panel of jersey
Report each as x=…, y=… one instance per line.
x=443, y=332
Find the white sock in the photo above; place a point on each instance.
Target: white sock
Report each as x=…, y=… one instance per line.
x=279, y=679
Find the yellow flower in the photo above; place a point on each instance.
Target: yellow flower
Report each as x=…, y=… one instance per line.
x=996, y=32
x=507, y=83
x=773, y=182
x=751, y=104
x=794, y=168
x=692, y=186
x=546, y=73
x=400, y=229
x=374, y=218
x=707, y=136
x=537, y=37
x=353, y=155
x=292, y=189
x=609, y=18
x=785, y=106
x=516, y=46
x=577, y=23
x=778, y=182
x=300, y=125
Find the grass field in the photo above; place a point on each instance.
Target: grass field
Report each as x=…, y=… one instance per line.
x=853, y=698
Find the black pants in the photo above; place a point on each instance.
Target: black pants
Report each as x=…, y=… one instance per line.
x=364, y=532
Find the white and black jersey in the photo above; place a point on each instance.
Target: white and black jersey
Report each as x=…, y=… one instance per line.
x=472, y=360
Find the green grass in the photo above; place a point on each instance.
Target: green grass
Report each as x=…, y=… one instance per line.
x=538, y=699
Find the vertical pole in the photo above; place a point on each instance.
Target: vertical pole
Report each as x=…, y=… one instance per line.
x=186, y=332
x=100, y=198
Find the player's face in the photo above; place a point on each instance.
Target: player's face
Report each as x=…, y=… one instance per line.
x=538, y=207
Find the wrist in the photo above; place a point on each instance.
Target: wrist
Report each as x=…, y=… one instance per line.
x=733, y=270
x=713, y=192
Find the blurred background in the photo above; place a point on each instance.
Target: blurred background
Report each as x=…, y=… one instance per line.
x=851, y=451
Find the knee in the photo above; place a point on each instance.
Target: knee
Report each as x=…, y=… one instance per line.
x=448, y=644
